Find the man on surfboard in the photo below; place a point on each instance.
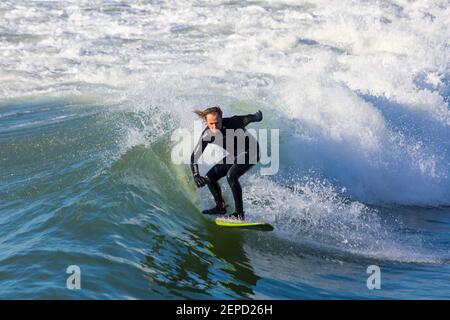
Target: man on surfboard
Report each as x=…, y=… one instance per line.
x=243, y=153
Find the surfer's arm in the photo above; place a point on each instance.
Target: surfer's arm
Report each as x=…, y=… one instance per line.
x=243, y=121
x=195, y=156
x=255, y=117
x=197, y=153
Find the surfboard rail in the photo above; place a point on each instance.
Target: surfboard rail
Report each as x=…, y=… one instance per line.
x=230, y=222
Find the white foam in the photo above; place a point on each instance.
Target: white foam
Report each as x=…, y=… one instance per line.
x=310, y=211
x=361, y=89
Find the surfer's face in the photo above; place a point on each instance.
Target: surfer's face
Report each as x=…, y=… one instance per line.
x=214, y=122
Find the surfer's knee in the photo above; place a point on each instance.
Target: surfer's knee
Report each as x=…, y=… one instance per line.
x=209, y=180
x=231, y=177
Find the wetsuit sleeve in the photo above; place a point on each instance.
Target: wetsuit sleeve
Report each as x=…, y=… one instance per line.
x=197, y=152
x=240, y=121
x=243, y=121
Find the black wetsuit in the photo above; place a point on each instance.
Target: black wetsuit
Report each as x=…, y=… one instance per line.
x=240, y=159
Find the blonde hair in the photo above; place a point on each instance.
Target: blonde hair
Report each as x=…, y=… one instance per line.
x=204, y=113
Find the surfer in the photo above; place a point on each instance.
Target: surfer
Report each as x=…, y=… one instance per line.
x=243, y=153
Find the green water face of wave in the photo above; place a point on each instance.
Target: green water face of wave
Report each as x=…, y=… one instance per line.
x=70, y=197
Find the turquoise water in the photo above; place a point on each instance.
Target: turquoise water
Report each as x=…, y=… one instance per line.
x=70, y=197
x=91, y=93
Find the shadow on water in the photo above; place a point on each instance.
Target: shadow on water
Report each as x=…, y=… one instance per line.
x=213, y=265
x=227, y=246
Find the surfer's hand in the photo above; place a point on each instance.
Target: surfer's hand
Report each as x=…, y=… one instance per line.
x=199, y=181
x=257, y=117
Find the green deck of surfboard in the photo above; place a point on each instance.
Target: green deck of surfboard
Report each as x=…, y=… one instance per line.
x=259, y=225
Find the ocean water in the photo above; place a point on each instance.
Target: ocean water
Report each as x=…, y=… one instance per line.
x=91, y=92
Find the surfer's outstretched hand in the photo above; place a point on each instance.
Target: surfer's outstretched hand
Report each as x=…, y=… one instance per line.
x=256, y=117
x=199, y=180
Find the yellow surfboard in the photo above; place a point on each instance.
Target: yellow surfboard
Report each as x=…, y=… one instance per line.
x=257, y=225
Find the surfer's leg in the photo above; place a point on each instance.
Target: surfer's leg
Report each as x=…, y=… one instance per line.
x=233, y=175
x=215, y=190
x=214, y=174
